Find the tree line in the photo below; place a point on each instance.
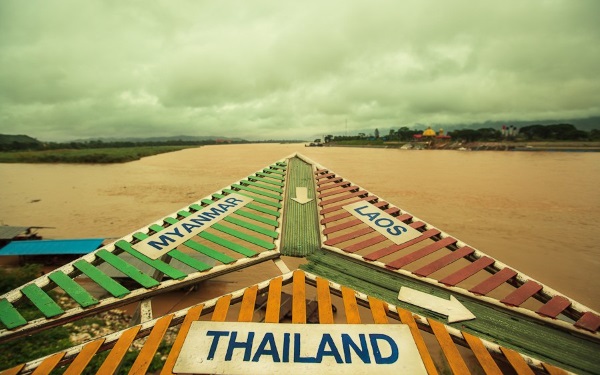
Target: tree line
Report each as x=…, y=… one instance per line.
x=536, y=132
x=24, y=143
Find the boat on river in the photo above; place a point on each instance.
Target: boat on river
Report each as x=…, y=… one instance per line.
x=345, y=282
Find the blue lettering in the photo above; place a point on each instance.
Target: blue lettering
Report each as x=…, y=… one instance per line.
x=175, y=232
x=272, y=351
x=224, y=206
x=233, y=200
x=216, y=335
x=362, y=352
x=360, y=208
x=372, y=216
x=199, y=221
x=297, y=357
x=396, y=230
x=164, y=242
x=286, y=347
x=214, y=212
x=326, y=340
x=389, y=222
x=246, y=345
x=188, y=227
x=379, y=359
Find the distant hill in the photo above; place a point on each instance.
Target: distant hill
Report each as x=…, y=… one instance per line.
x=22, y=139
x=585, y=124
x=187, y=138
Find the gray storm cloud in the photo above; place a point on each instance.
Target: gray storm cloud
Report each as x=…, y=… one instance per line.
x=287, y=69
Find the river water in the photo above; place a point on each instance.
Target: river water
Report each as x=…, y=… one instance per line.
x=535, y=211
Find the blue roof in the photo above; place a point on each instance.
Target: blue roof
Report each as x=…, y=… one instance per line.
x=52, y=247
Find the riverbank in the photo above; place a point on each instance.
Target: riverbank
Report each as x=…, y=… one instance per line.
x=87, y=155
x=557, y=146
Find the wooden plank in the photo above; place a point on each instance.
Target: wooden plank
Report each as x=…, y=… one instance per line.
x=251, y=226
x=273, y=171
x=346, y=214
x=84, y=357
x=337, y=191
x=456, y=362
x=247, y=306
x=145, y=356
x=494, y=281
x=421, y=253
x=41, y=300
x=326, y=175
x=331, y=201
x=243, y=236
x=438, y=264
x=364, y=244
x=190, y=261
x=129, y=270
x=256, y=191
x=588, y=321
x=255, y=198
x=522, y=293
x=74, y=290
x=342, y=226
x=221, y=308
x=332, y=186
x=517, y=362
x=329, y=180
x=350, y=306
x=273, y=300
x=192, y=315
x=266, y=180
x=157, y=264
x=394, y=248
x=9, y=316
x=378, y=310
x=349, y=236
x=13, y=370
x=370, y=198
x=265, y=210
x=228, y=244
x=48, y=364
x=252, y=206
x=218, y=256
x=114, y=288
x=483, y=356
x=407, y=318
x=554, y=307
x=553, y=370
x=115, y=355
x=298, y=298
x=264, y=220
x=324, y=300
x=263, y=186
x=468, y=271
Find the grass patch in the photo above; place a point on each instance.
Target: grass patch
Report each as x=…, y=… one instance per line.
x=87, y=156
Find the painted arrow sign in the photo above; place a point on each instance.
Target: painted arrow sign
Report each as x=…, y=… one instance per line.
x=455, y=311
x=302, y=195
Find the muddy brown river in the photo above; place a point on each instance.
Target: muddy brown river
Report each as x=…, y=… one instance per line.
x=538, y=212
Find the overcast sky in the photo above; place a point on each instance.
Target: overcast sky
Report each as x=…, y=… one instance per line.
x=291, y=69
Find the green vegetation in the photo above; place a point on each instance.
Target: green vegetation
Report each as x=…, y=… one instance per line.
x=536, y=132
x=87, y=155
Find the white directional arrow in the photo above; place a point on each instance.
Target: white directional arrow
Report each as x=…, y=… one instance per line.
x=455, y=311
x=302, y=195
